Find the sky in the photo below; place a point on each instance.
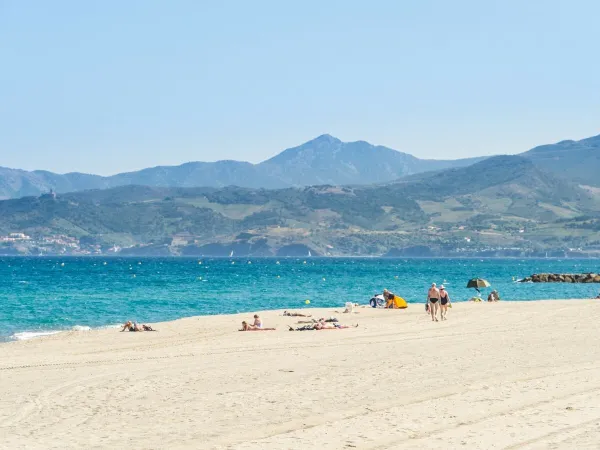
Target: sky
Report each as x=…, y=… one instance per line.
x=111, y=86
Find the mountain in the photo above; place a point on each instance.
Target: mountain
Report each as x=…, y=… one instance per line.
x=324, y=160
x=327, y=160
x=576, y=160
x=503, y=202
x=512, y=175
x=196, y=174
x=19, y=183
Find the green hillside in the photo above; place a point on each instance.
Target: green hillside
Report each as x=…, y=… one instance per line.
x=503, y=202
x=576, y=160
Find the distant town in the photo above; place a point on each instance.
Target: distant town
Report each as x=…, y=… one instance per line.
x=23, y=244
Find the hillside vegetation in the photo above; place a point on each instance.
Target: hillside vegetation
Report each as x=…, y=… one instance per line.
x=578, y=161
x=503, y=203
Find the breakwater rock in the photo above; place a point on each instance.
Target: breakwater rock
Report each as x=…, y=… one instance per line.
x=562, y=278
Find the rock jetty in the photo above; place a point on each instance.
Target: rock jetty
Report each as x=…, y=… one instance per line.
x=562, y=278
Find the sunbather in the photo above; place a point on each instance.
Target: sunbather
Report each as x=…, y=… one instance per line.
x=331, y=326
x=331, y=319
x=321, y=325
x=295, y=314
x=246, y=327
x=134, y=326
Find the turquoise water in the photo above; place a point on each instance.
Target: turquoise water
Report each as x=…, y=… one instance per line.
x=46, y=294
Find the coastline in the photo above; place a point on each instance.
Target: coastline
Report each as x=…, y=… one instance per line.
x=27, y=335
x=494, y=375
x=317, y=257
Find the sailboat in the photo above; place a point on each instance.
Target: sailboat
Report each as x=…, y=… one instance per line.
x=231, y=254
x=309, y=254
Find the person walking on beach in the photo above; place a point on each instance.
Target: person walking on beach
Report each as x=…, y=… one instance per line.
x=444, y=300
x=434, y=296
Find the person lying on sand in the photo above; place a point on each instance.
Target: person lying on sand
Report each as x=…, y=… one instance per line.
x=295, y=314
x=134, y=326
x=322, y=325
x=246, y=327
x=331, y=319
x=128, y=326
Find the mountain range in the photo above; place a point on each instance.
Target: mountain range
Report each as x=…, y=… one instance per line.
x=324, y=160
x=502, y=202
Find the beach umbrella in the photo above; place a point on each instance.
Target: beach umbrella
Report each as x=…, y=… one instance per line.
x=478, y=283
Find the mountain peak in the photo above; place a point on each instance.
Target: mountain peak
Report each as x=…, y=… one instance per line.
x=324, y=138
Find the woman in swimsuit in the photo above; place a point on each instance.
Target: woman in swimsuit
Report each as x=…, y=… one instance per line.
x=257, y=322
x=246, y=327
x=444, y=300
x=433, y=295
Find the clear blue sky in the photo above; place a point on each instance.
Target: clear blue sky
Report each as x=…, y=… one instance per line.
x=109, y=86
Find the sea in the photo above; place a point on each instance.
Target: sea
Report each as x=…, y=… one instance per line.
x=45, y=295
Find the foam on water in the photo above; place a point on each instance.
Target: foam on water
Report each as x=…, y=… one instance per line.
x=26, y=335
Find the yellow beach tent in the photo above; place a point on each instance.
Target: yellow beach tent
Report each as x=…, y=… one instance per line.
x=396, y=303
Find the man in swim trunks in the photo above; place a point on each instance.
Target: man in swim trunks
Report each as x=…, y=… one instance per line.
x=433, y=297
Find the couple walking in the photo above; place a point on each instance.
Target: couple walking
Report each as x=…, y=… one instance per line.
x=435, y=296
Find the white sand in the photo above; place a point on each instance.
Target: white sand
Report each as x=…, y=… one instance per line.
x=505, y=375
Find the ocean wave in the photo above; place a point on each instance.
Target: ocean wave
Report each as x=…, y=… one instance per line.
x=26, y=335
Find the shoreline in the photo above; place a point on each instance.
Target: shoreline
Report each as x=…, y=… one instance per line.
x=41, y=334
x=202, y=257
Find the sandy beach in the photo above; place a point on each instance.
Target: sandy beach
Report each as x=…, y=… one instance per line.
x=493, y=376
